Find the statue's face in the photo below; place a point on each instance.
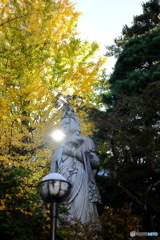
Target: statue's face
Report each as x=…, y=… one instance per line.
x=68, y=125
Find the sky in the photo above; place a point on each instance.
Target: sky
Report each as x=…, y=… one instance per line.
x=103, y=20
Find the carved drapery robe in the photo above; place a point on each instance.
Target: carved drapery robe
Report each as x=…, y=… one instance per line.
x=84, y=195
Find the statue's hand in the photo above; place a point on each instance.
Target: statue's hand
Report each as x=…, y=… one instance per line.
x=76, y=141
x=72, y=152
x=67, y=150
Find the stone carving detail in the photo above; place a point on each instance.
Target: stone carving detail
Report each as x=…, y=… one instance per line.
x=75, y=159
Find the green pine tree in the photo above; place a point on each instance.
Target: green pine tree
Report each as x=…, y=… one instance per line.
x=141, y=24
x=128, y=133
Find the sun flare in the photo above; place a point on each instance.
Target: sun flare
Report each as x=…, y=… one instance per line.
x=57, y=135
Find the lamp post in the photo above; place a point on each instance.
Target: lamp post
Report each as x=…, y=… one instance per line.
x=53, y=188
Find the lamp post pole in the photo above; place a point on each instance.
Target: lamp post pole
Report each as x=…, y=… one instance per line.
x=53, y=188
x=53, y=215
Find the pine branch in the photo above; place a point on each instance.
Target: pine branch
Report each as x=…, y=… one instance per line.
x=141, y=205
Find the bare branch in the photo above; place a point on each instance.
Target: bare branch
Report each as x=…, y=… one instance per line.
x=12, y=19
x=135, y=199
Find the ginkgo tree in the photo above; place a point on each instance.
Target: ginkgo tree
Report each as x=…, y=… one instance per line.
x=41, y=58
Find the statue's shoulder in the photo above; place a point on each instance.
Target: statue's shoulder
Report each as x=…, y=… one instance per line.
x=88, y=139
x=89, y=143
x=58, y=150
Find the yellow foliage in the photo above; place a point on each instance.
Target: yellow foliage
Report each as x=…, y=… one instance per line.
x=41, y=57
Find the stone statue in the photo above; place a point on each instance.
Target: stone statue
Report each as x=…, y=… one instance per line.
x=74, y=159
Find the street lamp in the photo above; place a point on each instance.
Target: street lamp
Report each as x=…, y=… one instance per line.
x=53, y=188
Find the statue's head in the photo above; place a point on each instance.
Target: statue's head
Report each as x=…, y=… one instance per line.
x=70, y=121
